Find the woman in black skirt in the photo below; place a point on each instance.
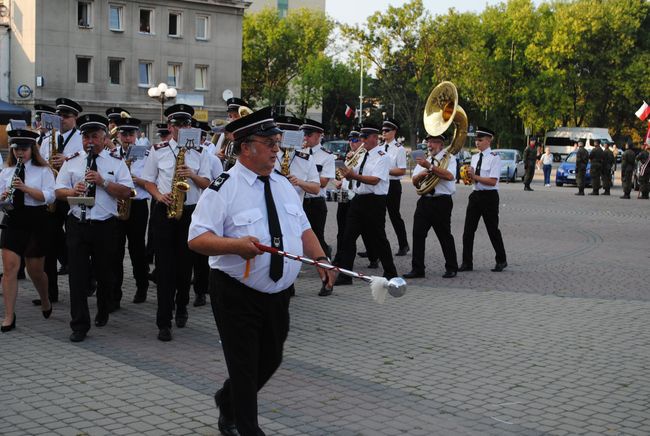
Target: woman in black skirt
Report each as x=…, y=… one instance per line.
x=27, y=186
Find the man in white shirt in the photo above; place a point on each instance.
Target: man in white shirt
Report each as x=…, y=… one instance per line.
x=397, y=156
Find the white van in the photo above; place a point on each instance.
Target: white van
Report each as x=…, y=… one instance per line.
x=560, y=141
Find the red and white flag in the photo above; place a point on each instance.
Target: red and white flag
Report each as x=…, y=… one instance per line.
x=349, y=111
x=643, y=112
x=647, y=136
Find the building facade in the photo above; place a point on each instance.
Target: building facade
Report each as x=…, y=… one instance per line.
x=105, y=53
x=283, y=6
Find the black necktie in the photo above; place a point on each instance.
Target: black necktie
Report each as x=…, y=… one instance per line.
x=311, y=151
x=60, y=144
x=277, y=263
x=40, y=139
x=363, y=162
x=386, y=150
x=19, y=196
x=478, y=165
x=93, y=167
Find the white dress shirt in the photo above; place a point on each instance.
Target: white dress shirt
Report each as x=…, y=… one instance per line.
x=397, y=156
x=137, y=166
x=490, y=167
x=444, y=187
x=110, y=167
x=303, y=167
x=41, y=178
x=216, y=167
x=71, y=139
x=238, y=209
x=160, y=166
x=377, y=165
x=324, y=161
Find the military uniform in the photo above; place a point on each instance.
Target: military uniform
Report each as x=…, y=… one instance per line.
x=582, y=159
x=397, y=155
x=608, y=164
x=644, y=174
x=596, y=161
x=628, y=164
x=530, y=158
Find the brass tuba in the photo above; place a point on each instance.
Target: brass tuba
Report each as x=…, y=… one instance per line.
x=440, y=111
x=179, y=188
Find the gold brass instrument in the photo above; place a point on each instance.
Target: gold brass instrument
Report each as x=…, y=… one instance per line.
x=244, y=111
x=228, y=146
x=54, y=150
x=124, y=206
x=286, y=162
x=464, y=174
x=440, y=112
x=179, y=188
x=8, y=203
x=113, y=132
x=352, y=161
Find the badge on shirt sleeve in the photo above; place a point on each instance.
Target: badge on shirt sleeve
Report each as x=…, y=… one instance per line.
x=216, y=185
x=302, y=155
x=72, y=156
x=160, y=145
x=381, y=153
x=493, y=153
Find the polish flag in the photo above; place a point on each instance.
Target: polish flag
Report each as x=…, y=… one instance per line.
x=349, y=111
x=643, y=111
x=647, y=135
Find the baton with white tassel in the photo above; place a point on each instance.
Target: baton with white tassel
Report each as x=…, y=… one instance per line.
x=380, y=286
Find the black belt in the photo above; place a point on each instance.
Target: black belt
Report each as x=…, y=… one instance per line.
x=436, y=196
x=308, y=199
x=93, y=222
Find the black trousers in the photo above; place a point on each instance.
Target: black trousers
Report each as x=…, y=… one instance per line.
x=316, y=211
x=201, y=270
x=483, y=204
x=341, y=220
x=433, y=212
x=367, y=216
x=150, y=230
x=92, y=248
x=52, y=224
x=393, y=200
x=173, y=262
x=253, y=327
x=134, y=229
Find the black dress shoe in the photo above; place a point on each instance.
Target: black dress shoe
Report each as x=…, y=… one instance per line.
x=528, y=188
x=343, y=280
x=363, y=254
x=10, y=327
x=579, y=193
x=101, y=320
x=500, y=266
x=63, y=271
x=593, y=193
x=37, y=301
x=449, y=274
x=414, y=274
x=181, y=317
x=324, y=291
x=226, y=427
x=140, y=297
x=47, y=313
x=374, y=264
x=199, y=300
x=625, y=196
x=165, y=334
x=77, y=336
x=402, y=251
x=465, y=267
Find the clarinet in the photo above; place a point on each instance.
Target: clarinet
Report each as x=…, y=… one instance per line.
x=88, y=185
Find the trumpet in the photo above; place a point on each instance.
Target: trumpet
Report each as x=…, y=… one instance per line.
x=352, y=160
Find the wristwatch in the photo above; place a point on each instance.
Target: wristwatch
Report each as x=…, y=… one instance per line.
x=105, y=184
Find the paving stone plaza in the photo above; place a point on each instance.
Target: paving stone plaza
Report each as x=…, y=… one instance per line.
x=556, y=344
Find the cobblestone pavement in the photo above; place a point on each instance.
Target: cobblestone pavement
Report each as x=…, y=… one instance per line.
x=556, y=344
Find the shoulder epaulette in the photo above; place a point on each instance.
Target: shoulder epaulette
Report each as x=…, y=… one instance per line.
x=326, y=151
x=494, y=153
x=72, y=156
x=381, y=153
x=277, y=172
x=160, y=145
x=116, y=156
x=216, y=185
x=302, y=155
x=198, y=149
x=146, y=153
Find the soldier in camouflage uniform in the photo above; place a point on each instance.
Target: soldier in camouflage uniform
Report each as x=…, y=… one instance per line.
x=530, y=158
x=628, y=163
x=582, y=158
x=644, y=173
x=596, y=160
x=608, y=163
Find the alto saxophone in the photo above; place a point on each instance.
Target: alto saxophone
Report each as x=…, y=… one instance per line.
x=54, y=149
x=286, y=163
x=124, y=206
x=179, y=188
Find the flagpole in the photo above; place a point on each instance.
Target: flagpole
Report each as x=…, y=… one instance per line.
x=361, y=94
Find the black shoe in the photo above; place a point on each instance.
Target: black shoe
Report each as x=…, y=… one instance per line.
x=500, y=266
x=579, y=193
x=465, y=267
x=47, y=313
x=449, y=274
x=606, y=193
x=140, y=297
x=226, y=424
x=363, y=254
x=63, y=271
x=528, y=188
x=77, y=336
x=593, y=193
x=181, y=316
x=413, y=274
x=165, y=334
x=37, y=301
x=324, y=291
x=343, y=280
x=199, y=300
x=374, y=264
x=101, y=320
x=10, y=327
x=625, y=196
x=114, y=306
x=402, y=251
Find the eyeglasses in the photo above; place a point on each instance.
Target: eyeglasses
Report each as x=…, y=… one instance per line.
x=386, y=130
x=354, y=139
x=269, y=144
x=181, y=123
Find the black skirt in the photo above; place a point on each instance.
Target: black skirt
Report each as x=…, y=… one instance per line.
x=24, y=231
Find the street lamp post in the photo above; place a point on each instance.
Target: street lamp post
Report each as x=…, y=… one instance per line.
x=162, y=93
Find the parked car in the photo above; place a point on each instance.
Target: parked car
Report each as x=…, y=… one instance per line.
x=512, y=166
x=338, y=147
x=566, y=172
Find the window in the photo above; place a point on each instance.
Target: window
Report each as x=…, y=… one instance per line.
x=201, y=77
x=144, y=73
x=283, y=8
x=174, y=75
x=202, y=25
x=175, y=20
x=116, y=18
x=115, y=71
x=83, y=70
x=146, y=21
x=84, y=14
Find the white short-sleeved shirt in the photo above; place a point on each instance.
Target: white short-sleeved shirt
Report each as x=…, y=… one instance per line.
x=397, y=156
x=444, y=187
x=324, y=161
x=222, y=210
x=160, y=166
x=110, y=167
x=377, y=165
x=137, y=166
x=490, y=167
x=302, y=166
x=41, y=178
x=216, y=167
x=71, y=139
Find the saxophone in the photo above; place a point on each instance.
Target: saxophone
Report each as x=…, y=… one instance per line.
x=286, y=163
x=124, y=206
x=179, y=188
x=54, y=148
